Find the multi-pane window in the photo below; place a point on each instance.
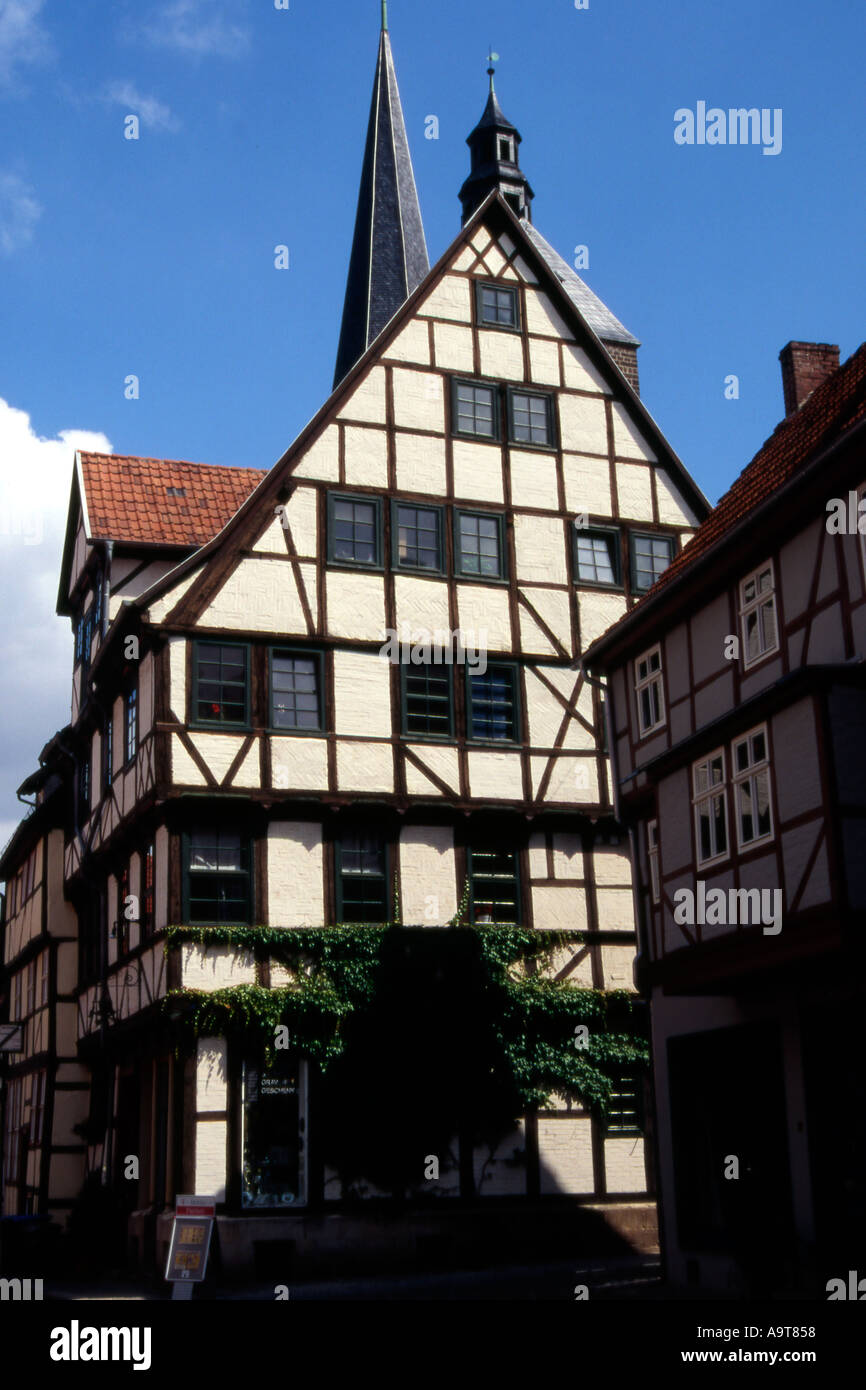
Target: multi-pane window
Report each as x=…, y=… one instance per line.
x=220, y=683
x=480, y=549
x=493, y=705
x=147, y=890
x=219, y=883
x=531, y=418
x=475, y=409
x=652, y=839
x=597, y=557
x=362, y=878
x=354, y=530
x=710, y=807
x=427, y=701
x=296, y=690
x=130, y=722
x=751, y=775
x=649, y=691
x=624, y=1108
x=417, y=537
x=758, y=615
x=494, y=883
x=498, y=305
x=107, y=752
x=650, y=557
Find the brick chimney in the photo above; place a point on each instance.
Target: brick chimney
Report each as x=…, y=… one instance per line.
x=805, y=366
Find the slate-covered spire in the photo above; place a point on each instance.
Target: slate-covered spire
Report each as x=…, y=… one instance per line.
x=495, y=161
x=389, y=252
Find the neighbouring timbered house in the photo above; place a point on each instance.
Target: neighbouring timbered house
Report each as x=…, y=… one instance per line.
x=737, y=695
x=243, y=752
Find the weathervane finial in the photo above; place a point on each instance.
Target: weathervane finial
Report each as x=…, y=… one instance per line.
x=385, y=16
x=491, y=71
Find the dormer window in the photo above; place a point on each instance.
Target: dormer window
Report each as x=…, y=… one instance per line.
x=497, y=305
x=176, y=491
x=506, y=149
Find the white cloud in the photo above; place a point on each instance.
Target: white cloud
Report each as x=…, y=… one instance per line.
x=22, y=38
x=198, y=28
x=19, y=213
x=152, y=113
x=35, y=478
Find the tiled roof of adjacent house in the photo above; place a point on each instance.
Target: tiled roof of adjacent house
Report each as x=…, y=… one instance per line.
x=161, y=501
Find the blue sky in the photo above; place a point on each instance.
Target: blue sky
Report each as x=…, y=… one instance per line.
x=156, y=256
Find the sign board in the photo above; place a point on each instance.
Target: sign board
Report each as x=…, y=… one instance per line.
x=11, y=1037
x=190, y=1239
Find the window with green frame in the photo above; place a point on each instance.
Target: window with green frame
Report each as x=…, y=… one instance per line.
x=220, y=683
x=475, y=409
x=494, y=705
x=497, y=306
x=355, y=530
x=650, y=557
x=625, y=1107
x=362, y=878
x=596, y=556
x=417, y=537
x=296, y=690
x=479, y=544
x=494, y=884
x=530, y=419
x=218, y=882
x=428, y=700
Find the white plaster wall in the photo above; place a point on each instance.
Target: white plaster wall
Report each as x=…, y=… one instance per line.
x=501, y=355
x=210, y=1158
x=533, y=480
x=544, y=361
x=587, y=486
x=299, y=764
x=211, y=1074
x=428, y=878
x=624, y=1164
x=301, y=514
x=628, y=441
x=421, y=463
x=441, y=761
x=617, y=964
x=261, y=595
x=367, y=401
x=183, y=770
x=163, y=606
x=419, y=400
x=453, y=347
x=557, y=908
x=177, y=676
x=215, y=967
x=539, y=547
x=450, y=299
x=583, y=424
x=634, y=488
x=579, y=372
x=568, y=857
x=597, y=612
x=477, y=471
x=484, y=610
x=572, y=780
x=672, y=507
x=365, y=767
x=356, y=605
x=366, y=457
x=495, y=776
x=422, y=604
x=322, y=459
x=565, y=1151
x=296, y=895
x=542, y=318
x=362, y=694
x=412, y=344
x=217, y=750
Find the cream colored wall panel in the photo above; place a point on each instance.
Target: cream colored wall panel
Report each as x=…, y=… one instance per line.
x=582, y=424
x=634, y=488
x=450, y=299
x=573, y=780
x=137, y=585
x=500, y=1171
x=587, y=485
x=442, y=762
x=299, y=764
x=364, y=767
x=615, y=909
x=533, y=479
x=428, y=875
x=568, y=857
x=539, y=547
x=215, y=967
x=300, y=512
x=672, y=507
x=506, y=244
x=249, y=774
x=537, y=849
x=411, y=345
x=367, y=401
x=577, y=738
x=480, y=240
x=176, y=677
x=624, y=1164
x=495, y=776
x=559, y=909
x=356, y=605
x=533, y=639
x=453, y=347
x=628, y=440
x=261, y=595
x=217, y=750
x=552, y=606
x=464, y=260
x=211, y=1074
x=362, y=694
x=579, y=372
x=322, y=459
x=494, y=260
x=210, y=1158
x=183, y=769
x=158, y=610
x=617, y=966
x=366, y=457
x=422, y=609
x=296, y=894
x=544, y=710
x=421, y=464
x=542, y=318
x=419, y=400
x=544, y=362
x=501, y=355
x=597, y=612
x=485, y=617
x=477, y=471
x=565, y=1151
x=612, y=865
x=524, y=271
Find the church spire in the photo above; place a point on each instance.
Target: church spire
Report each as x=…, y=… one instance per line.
x=389, y=252
x=494, y=145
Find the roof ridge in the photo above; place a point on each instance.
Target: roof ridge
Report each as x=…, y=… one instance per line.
x=174, y=463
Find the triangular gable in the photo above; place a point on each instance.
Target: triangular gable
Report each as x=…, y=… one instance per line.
x=492, y=231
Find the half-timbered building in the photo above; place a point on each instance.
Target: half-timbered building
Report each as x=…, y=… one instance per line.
x=736, y=693
x=301, y=697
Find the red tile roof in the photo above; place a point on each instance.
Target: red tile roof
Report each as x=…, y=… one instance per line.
x=128, y=499
x=833, y=407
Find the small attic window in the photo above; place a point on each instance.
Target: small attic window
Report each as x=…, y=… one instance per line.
x=176, y=491
x=506, y=150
